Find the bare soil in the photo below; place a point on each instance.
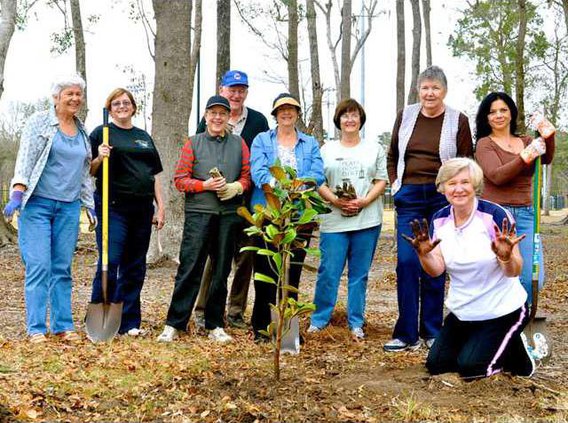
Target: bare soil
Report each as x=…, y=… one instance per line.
x=332, y=379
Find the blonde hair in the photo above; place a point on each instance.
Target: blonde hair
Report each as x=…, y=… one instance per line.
x=454, y=166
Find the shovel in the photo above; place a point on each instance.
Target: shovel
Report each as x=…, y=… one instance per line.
x=103, y=319
x=536, y=330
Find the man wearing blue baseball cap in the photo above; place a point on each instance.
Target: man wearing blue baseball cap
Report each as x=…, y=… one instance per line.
x=247, y=123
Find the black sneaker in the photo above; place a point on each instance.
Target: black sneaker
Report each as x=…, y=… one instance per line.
x=237, y=321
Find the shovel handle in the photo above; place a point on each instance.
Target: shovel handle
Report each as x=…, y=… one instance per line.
x=537, y=184
x=105, y=210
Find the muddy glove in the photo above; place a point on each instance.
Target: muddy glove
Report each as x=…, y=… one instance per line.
x=92, y=216
x=14, y=204
x=229, y=191
x=536, y=148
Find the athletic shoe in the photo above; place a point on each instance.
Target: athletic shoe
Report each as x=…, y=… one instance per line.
x=69, y=336
x=236, y=321
x=357, y=334
x=168, y=335
x=199, y=319
x=429, y=342
x=136, y=332
x=313, y=329
x=527, y=364
x=219, y=335
x=541, y=349
x=396, y=345
x=38, y=338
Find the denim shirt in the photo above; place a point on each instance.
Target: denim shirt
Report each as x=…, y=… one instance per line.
x=264, y=153
x=35, y=145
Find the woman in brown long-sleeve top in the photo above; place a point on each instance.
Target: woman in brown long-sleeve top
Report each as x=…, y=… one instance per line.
x=508, y=164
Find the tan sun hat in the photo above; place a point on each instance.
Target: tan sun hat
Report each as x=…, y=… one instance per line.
x=282, y=99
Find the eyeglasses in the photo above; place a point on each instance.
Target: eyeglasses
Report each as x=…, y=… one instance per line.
x=217, y=114
x=117, y=104
x=350, y=116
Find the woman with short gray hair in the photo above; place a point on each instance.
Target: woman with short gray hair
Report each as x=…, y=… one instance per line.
x=425, y=135
x=51, y=182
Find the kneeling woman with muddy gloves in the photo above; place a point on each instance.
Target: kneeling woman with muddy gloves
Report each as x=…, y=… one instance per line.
x=475, y=242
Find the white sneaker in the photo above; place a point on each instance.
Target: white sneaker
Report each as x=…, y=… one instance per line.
x=541, y=349
x=168, y=335
x=219, y=335
x=313, y=329
x=528, y=367
x=357, y=333
x=136, y=332
x=199, y=319
x=397, y=345
x=429, y=342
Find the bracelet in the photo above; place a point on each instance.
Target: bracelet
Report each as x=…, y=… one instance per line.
x=504, y=261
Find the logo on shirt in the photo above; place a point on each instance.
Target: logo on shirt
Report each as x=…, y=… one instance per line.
x=142, y=143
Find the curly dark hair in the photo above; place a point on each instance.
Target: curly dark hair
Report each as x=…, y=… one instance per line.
x=482, y=128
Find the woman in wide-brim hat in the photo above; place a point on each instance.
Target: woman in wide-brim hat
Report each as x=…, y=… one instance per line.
x=299, y=151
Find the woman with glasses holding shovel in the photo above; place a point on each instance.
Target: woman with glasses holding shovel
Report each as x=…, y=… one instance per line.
x=51, y=182
x=134, y=187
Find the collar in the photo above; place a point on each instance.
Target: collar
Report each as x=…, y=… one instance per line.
x=217, y=138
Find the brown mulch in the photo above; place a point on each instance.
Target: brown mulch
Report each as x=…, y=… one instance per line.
x=332, y=379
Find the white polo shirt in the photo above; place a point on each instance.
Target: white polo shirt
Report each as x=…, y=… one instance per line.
x=479, y=289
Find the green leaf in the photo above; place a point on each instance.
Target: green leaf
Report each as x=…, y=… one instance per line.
x=265, y=252
x=271, y=231
x=290, y=236
x=277, y=258
x=263, y=278
x=242, y=250
x=316, y=252
x=307, y=216
x=291, y=288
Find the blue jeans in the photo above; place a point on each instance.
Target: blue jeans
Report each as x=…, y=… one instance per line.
x=129, y=231
x=420, y=296
x=357, y=248
x=524, y=218
x=48, y=231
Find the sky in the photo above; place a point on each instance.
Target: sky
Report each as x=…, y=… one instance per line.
x=114, y=43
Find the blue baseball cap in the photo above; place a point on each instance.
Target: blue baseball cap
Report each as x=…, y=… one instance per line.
x=234, y=77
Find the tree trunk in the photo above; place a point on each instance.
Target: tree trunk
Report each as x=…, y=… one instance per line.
x=293, y=83
x=520, y=66
x=315, y=126
x=80, y=52
x=175, y=63
x=565, y=7
x=426, y=15
x=345, y=88
x=223, y=39
x=416, y=39
x=7, y=27
x=401, y=55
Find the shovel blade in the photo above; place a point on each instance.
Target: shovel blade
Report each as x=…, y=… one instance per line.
x=538, y=337
x=103, y=321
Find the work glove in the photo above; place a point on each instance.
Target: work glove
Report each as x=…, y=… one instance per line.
x=92, y=216
x=14, y=204
x=536, y=148
x=229, y=191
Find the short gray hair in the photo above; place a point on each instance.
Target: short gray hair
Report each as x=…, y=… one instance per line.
x=65, y=81
x=433, y=73
x=454, y=166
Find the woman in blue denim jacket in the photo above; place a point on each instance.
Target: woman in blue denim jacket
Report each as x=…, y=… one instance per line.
x=51, y=182
x=299, y=151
